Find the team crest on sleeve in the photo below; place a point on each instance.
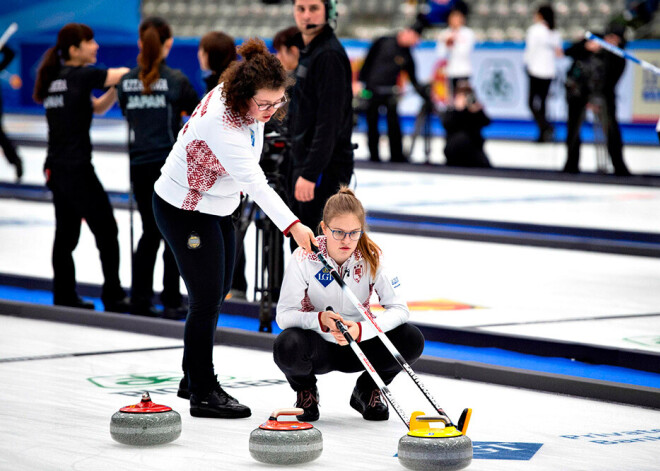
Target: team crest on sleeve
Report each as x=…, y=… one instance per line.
x=357, y=273
x=252, y=136
x=324, y=277
x=395, y=282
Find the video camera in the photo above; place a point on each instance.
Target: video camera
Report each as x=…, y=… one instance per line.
x=274, y=161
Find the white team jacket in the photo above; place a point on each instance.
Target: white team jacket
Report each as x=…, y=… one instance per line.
x=308, y=288
x=459, y=56
x=541, y=44
x=215, y=157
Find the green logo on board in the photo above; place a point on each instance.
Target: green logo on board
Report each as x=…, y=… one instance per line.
x=652, y=341
x=136, y=380
x=134, y=384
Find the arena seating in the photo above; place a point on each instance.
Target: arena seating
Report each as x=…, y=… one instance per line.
x=492, y=20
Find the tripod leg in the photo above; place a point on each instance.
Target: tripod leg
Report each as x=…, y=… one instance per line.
x=417, y=130
x=427, y=134
x=131, y=209
x=600, y=131
x=268, y=247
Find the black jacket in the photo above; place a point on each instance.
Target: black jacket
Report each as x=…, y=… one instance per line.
x=592, y=73
x=465, y=121
x=384, y=61
x=154, y=120
x=211, y=81
x=321, y=114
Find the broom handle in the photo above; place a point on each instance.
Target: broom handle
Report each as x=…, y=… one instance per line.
x=384, y=338
x=369, y=368
x=7, y=34
x=621, y=53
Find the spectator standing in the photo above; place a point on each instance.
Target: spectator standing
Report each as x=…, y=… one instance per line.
x=542, y=46
x=456, y=44
x=387, y=57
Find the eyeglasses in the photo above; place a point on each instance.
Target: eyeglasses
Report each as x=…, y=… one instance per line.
x=267, y=106
x=338, y=234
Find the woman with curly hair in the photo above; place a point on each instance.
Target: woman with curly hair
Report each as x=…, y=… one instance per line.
x=215, y=159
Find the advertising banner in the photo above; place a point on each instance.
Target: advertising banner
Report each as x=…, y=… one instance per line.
x=646, y=86
x=500, y=82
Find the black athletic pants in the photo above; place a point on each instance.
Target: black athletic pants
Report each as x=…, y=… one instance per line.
x=78, y=195
x=538, y=94
x=206, y=269
x=302, y=354
x=311, y=213
x=576, y=112
x=143, y=178
x=393, y=127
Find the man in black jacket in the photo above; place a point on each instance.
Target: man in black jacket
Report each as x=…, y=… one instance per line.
x=321, y=115
x=591, y=81
x=387, y=57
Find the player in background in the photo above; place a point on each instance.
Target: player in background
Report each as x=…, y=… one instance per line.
x=153, y=98
x=64, y=84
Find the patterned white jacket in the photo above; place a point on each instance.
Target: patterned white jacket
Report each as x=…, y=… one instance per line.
x=215, y=158
x=308, y=288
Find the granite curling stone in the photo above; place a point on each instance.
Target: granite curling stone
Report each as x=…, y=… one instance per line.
x=285, y=443
x=435, y=449
x=145, y=424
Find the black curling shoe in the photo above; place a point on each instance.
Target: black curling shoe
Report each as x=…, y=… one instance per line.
x=308, y=400
x=370, y=404
x=76, y=302
x=218, y=405
x=117, y=305
x=183, y=391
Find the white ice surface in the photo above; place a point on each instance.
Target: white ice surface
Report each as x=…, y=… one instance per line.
x=52, y=417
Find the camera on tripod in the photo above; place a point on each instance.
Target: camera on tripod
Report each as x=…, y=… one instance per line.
x=272, y=159
x=269, y=240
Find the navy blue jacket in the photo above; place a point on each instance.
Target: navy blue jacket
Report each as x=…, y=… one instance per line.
x=154, y=119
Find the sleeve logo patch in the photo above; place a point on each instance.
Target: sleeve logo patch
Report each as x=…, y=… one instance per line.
x=395, y=282
x=324, y=277
x=252, y=136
